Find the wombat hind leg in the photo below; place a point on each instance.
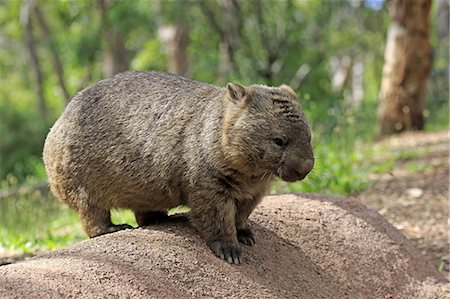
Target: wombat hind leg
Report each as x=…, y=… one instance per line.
x=150, y=217
x=97, y=222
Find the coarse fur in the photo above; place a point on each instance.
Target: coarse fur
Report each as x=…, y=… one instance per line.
x=149, y=141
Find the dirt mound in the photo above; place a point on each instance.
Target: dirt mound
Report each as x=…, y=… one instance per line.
x=307, y=247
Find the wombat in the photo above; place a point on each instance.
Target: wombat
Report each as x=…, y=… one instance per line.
x=150, y=141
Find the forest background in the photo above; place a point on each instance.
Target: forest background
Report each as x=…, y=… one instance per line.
x=330, y=52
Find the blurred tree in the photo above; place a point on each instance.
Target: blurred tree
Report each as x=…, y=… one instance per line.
x=76, y=43
x=57, y=65
x=26, y=13
x=408, y=57
x=226, y=19
x=115, y=54
x=174, y=34
x=176, y=38
x=273, y=38
x=443, y=17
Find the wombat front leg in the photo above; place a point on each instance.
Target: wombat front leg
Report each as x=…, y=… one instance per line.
x=243, y=210
x=213, y=214
x=97, y=221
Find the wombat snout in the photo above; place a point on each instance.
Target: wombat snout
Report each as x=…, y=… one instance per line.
x=296, y=170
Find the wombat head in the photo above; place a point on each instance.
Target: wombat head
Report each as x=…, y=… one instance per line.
x=266, y=132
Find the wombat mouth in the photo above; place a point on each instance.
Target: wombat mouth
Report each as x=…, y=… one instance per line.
x=291, y=175
x=292, y=179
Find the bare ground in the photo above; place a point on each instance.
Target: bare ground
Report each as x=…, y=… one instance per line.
x=308, y=246
x=414, y=195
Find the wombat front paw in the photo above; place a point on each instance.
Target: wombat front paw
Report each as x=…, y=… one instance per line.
x=227, y=251
x=245, y=236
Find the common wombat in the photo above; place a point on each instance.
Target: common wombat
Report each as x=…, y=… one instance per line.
x=149, y=141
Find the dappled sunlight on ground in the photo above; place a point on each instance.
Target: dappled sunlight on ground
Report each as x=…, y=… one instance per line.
x=413, y=196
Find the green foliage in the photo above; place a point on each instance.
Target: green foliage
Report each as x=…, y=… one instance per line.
x=151, y=58
x=22, y=137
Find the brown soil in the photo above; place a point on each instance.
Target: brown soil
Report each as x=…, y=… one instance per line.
x=414, y=195
x=307, y=247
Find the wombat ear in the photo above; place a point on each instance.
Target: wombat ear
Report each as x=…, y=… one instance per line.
x=236, y=92
x=288, y=89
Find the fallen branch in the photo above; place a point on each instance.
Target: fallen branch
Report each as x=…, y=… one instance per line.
x=41, y=187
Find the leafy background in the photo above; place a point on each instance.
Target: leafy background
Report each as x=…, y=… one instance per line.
x=313, y=34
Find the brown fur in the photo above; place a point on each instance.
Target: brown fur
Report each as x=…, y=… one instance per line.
x=149, y=141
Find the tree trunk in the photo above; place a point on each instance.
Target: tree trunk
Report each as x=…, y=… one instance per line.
x=176, y=40
x=30, y=43
x=408, y=57
x=115, y=54
x=57, y=65
x=179, y=61
x=226, y=61
x=443, y=15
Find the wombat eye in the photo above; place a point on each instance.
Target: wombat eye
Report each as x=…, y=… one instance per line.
x=278, y=141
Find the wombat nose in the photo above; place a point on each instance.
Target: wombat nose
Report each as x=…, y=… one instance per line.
x=304, y=169
x=307, y=166
x=297, y=171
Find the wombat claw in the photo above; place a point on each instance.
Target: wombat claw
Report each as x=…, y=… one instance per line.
x=226, y=251
x=245, y=236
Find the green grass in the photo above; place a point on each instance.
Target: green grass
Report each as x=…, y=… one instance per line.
x=33, y=222
x=123, y=216
x=341, y=172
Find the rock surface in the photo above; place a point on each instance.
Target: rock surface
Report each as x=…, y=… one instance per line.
x=307, y=246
